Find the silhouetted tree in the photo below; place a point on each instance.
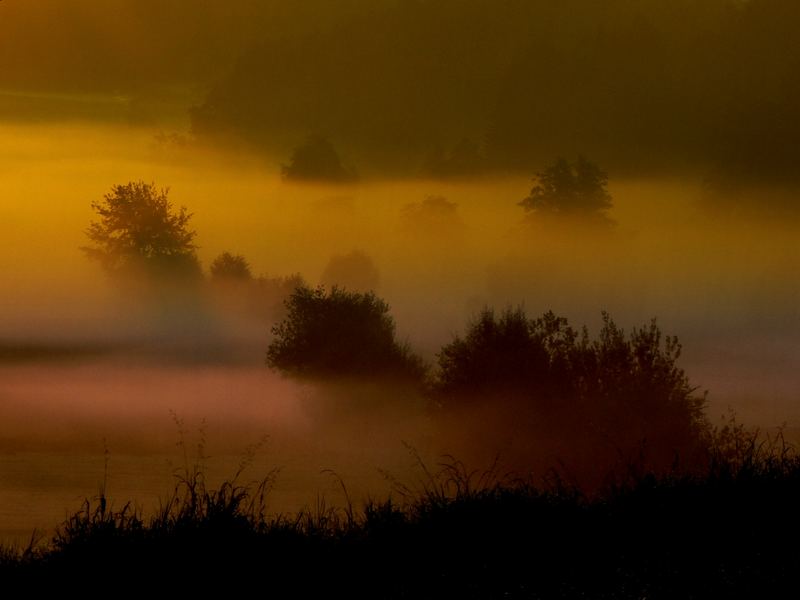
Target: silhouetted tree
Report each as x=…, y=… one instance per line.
x=570, y=189
x=339, y=334
x=621, y=391
x=317, y=160
x=230, y=267
x=138, y=231
x=505, y=354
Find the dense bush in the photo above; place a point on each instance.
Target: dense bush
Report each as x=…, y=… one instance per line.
x=625, y=392
x=336, y=333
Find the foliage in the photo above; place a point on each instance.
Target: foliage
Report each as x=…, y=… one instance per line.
x=317, y=160
x=230, y=267
x=501, y=354
x=621, y=390
x=138, y=230
x=529, y=78
x=336, y=333
x=570, y=189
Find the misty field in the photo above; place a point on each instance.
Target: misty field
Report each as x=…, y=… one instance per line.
x=400, y=299
x=85, y=369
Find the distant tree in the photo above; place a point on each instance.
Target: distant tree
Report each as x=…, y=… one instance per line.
x=570, y=189
x=269, y=294
x=336, y=333
x=317, y=160
x=230, y=267
x=355, y=271
x=262, y=298
x=139, y=232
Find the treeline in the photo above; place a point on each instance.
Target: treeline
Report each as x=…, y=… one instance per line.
x=443, y=87
x=453, y=85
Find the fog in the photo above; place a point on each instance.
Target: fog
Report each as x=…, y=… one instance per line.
x=87, y=367
x=670, y=254
x=429, y=121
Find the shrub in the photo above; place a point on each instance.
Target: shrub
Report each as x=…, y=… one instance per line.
x=504, y=354
x=336, y=333
x=623, y=392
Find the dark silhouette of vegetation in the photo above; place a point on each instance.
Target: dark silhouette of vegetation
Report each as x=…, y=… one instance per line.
x=354, y=271
x=528, y=79
x=567, y=189
x=317, y=160
x=624, y=394
x=138, y=232
x=645, y=86
x=228, y=267
x=455, y=534
x=336, y=333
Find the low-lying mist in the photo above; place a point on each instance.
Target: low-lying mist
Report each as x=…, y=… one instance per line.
x=87, y=364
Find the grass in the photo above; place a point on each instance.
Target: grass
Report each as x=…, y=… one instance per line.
x=454, y=533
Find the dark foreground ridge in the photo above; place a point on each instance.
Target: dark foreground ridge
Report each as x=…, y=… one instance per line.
x=722, y=534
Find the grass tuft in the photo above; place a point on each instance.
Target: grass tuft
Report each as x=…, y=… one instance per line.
x=457, y=532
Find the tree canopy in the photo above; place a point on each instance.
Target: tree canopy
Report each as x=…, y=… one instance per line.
x=317, y=160
x=621, y=390
x=138, y=230
x=576, y=189
x=336, y=333
x=230, y=267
